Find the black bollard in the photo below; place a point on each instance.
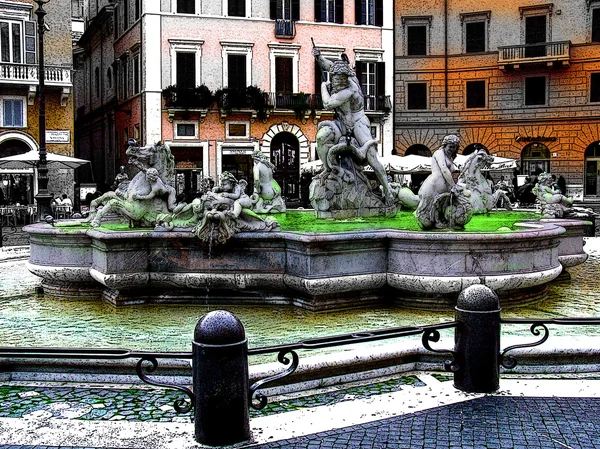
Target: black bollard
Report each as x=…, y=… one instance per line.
x=477, y=340
x=220, y=375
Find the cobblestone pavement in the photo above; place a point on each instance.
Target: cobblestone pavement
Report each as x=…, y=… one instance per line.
x=484, y=423
x=154, y=404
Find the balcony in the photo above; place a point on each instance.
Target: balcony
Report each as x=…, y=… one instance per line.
x=285, y=28
x=546, y=53
x=28, y=74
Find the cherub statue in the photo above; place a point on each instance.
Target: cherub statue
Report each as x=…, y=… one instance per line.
x=267, y=192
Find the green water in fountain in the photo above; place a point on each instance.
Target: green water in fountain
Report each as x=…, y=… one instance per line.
x=29, y=320
x=306, y=222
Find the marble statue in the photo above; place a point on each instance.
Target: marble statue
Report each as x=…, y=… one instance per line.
x=267, y=197
x=147, y=195
x=121, y=180
x=443, y=204
x=553, y=203
x=345, y=145
x=482, y=198
x=218, y=214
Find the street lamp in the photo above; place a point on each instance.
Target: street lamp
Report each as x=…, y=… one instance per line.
x=43, y=197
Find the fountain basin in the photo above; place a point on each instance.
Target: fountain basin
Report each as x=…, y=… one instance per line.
x=313, y=271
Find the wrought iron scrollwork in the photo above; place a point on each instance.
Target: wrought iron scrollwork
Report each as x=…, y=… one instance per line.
x=433, y=336
x=508, y=361
x=180, y=405
x=260, y=397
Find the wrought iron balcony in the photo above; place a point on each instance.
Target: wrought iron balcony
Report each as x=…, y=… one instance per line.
x=28, y=74
x=546, y=53
x=285, y=28
x=375, y=104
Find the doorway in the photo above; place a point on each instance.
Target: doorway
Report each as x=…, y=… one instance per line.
x=535, y=33
x=285, y=155
x=592, y=170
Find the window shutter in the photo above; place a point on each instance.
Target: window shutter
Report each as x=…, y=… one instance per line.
x=30, y=43
x=273, y=9
x=380, y=87
x=379, y=13
x=318, y=16
x=339, y=11
x=358, y=12
x=359, y=72
x=295, y=9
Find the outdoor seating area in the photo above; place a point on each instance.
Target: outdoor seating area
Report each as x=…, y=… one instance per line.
x=18, y=215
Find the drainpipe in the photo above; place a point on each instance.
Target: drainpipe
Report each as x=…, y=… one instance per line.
x=446, y=51
x=141, y=75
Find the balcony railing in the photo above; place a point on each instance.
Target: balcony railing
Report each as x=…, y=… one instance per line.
x=544, y=53
x=285, y=28
x=28, y=74
x=380, y=103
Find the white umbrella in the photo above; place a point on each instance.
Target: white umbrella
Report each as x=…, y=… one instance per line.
x=32, y=158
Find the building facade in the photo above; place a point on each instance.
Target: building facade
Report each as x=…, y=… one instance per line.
x=520, y=77
x=19, y=100
x=218, y=80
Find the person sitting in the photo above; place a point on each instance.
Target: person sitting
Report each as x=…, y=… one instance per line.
x=66, y=201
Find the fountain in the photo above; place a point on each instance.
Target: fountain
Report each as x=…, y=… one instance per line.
x=225, y=242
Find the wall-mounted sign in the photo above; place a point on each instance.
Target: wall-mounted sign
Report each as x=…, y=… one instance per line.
x=58, y=136
x=238, y=150
x=535, y=139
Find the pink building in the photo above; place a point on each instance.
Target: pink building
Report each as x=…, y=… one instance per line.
x=149, y=69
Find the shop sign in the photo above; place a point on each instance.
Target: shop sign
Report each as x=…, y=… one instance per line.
x=535, y=139
x=237, y=150
x=58, y=136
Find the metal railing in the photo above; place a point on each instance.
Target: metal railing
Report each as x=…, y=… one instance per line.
x=23, y=73
x=542, y=52
x=222, y=394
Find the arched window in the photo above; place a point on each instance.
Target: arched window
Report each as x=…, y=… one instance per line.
x=418, y=149
x=592, y=169
x=535, y=159
x=474, y=146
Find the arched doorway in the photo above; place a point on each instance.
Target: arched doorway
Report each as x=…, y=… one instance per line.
x=535, y=159
x=16, y=185
x=469, y=149
x=418, y=149
x=592, y=170
x=285, y=155
x=416, y=179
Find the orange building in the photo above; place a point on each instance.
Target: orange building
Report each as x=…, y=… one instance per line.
x=19, y=101
x=521, y=78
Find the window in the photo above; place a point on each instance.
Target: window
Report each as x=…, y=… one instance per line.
x=284, y=58
x=535, y=91
x=372, y=80
x=13, y=112
x=331, y=11
x=236, y=8
x=236, y=66
x=136, y=74
x=596, y=24
x=109, y=77
x=186, y=70
x=475, y=94
x=11, y=41
x=125, y=14
x=416, y=35
x=285, y=10
x=416, y=96
x=97, y=81
x=475, y=30
x=368, y=12
x=186, y=130
x=185, y=62
x=475, y=37
x=416, y=40
x=138, y=9
x=186, y=6
x=595, y=87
